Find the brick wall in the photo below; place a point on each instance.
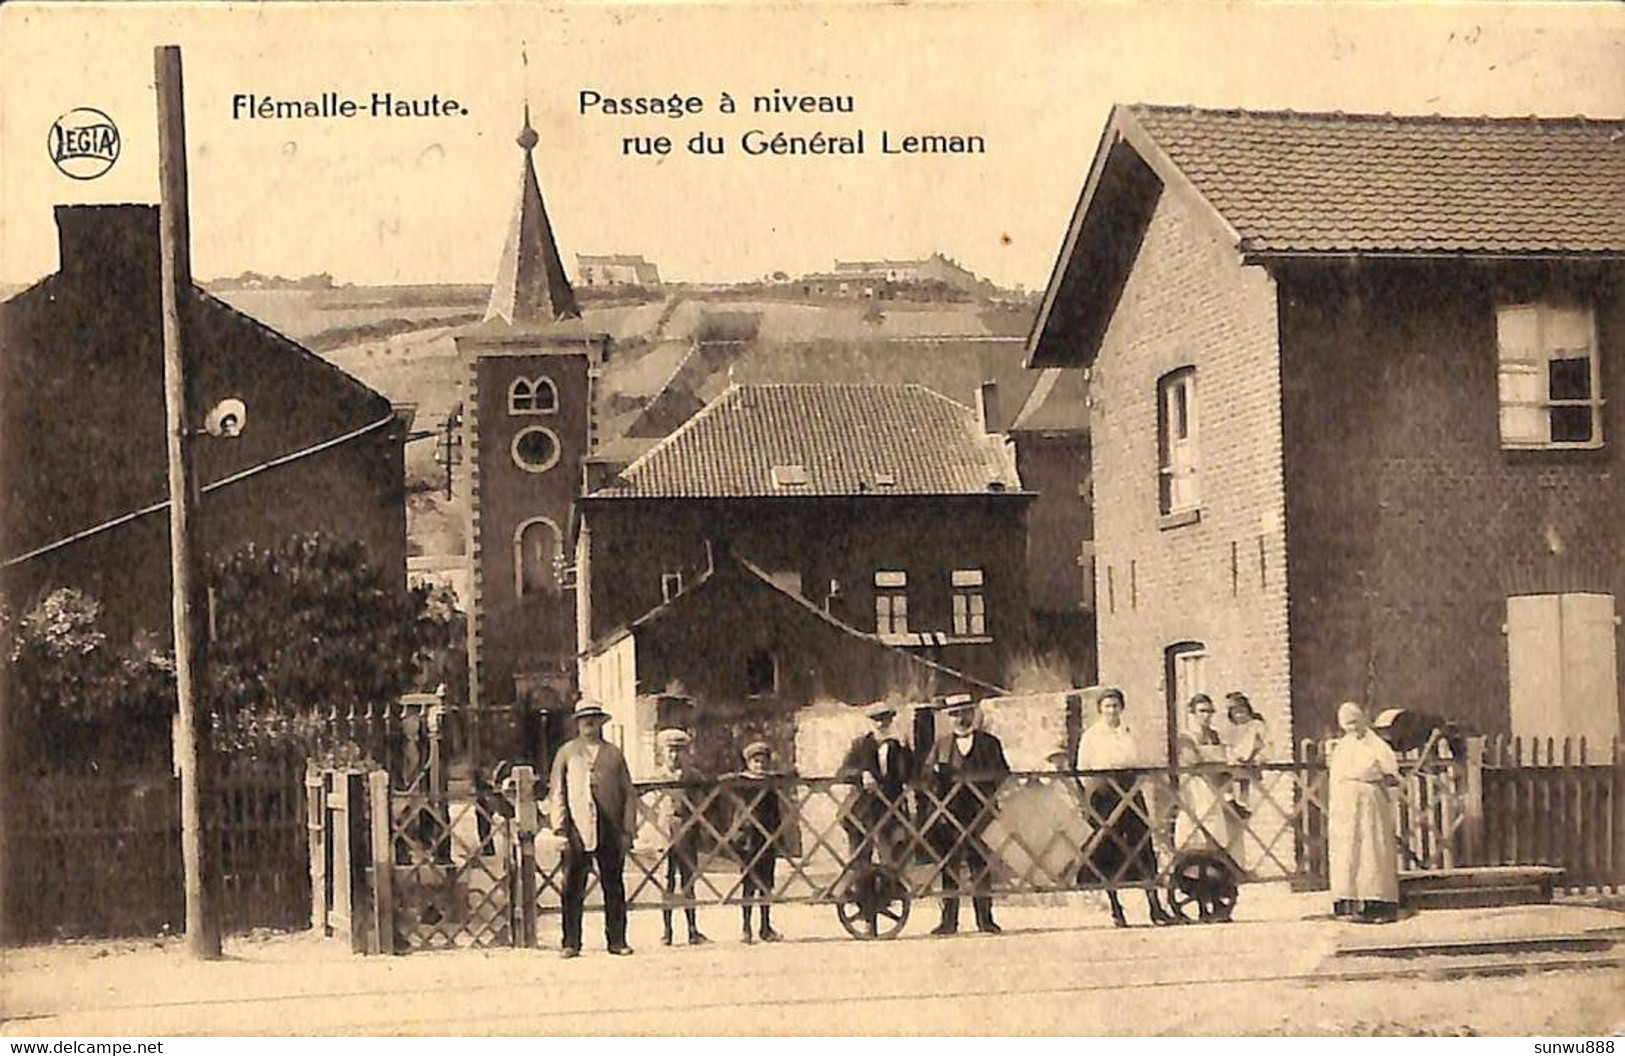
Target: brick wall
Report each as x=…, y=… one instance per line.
x=510, y=633
x=1219, y=581
x=1409, y=525
x=845, y=540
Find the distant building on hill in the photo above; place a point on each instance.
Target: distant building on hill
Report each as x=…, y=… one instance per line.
x=616, y=270
x=936, y=274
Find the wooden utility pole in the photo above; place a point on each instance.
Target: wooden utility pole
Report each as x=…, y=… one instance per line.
x=191, y=756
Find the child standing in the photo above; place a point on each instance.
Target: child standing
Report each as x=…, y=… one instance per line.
x=1247, y=743
x=756, y=838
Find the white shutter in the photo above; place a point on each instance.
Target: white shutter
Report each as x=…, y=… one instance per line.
x=1590, y=671
x=1535, y=665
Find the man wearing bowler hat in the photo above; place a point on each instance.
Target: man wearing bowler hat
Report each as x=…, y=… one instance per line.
x=966, y=766
x=595, y=810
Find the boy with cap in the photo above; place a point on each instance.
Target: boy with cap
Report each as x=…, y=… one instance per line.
x=676, y=823
x=595, y=810
x=756, y=840
x=966, y=765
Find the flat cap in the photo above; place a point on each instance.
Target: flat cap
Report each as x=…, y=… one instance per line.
x=755, y=748
x=880, y=709
x=672, y=735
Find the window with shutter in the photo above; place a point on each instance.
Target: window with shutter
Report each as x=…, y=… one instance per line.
x=1562, y=666
x=1548, y=376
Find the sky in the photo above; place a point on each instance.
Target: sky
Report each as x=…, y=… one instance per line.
x=398, y=200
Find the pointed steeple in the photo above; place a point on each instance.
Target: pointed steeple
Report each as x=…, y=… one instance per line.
x=531, y=286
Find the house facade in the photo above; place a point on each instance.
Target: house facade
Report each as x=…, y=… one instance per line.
x=885, y=506
x=1355, y=426
x=776, y=654
x=82, y=420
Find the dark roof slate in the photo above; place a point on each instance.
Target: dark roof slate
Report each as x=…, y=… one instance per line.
x=1356, y=183
x=849, y=440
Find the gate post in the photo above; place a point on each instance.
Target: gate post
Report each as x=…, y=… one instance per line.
x=1472, y=822
x=524, y=890
x=383, y=892
x=316, y=841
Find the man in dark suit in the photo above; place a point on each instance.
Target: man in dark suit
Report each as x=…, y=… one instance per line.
x=881, y=766
x=595, y=810
x=966, y=767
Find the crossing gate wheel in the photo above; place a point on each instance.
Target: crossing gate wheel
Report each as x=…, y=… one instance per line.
x=875, y=904
x=1202, y=887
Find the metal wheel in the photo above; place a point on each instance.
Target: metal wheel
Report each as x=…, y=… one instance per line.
x=1203, y=883
x=875, y=904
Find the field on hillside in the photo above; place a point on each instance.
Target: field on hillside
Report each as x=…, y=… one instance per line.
x=401, y=341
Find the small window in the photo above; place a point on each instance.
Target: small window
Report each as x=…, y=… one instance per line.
x=891, y=602
x=1550, y=390
x=970, y=606
x=761, y=674
x=1177, y=442
x=789, y=476
x=671, y=585
x=535, y=449
x=532, y=396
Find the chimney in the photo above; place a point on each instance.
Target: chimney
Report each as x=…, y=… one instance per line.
x=987, y=407
x=114, y=244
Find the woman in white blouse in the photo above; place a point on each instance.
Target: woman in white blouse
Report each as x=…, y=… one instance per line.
x=1120, y=849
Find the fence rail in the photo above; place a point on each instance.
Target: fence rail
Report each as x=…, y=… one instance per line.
x=89, y=855
x=480, y=869
x=448, y=864
x=1550, y=802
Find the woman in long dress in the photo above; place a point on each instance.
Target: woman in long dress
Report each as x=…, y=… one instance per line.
x=1120, y=849
x=1360, y=832
x=1205, y=822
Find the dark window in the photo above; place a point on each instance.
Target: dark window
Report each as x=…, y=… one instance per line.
x=761, y=674
x=536, y=449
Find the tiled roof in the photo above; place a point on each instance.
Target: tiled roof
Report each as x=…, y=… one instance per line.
x=1347, y=183
x=846, y=439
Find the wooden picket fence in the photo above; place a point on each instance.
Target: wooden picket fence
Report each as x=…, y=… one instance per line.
x=95, y=855
x=1562, y=803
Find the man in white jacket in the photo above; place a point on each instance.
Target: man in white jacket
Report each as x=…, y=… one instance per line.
x=595, y=810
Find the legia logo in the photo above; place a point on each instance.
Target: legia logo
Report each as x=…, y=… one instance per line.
x=83, y=143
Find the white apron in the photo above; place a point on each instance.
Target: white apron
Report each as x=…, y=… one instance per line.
x=1363, y=857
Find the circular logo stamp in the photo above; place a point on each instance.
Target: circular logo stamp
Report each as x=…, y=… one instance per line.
x=83, y=143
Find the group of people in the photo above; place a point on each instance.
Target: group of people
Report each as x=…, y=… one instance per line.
x=1214, y=802
x=595, y=813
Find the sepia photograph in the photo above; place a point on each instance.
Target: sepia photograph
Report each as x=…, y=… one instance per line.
x=826, y=518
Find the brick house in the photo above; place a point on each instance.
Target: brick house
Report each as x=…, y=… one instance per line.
x=886, y=506
x=82, y=427
x=776, y=654
x=1356, y=427
x=527, y=431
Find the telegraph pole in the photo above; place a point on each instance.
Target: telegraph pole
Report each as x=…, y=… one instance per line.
x=180, y=405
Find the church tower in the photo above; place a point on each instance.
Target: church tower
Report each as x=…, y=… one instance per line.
x=528, y=428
